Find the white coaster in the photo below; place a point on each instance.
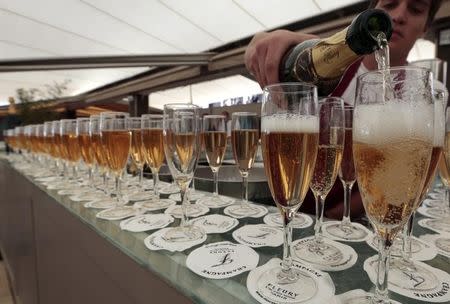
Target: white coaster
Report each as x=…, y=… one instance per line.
x=222, y=260
x=74, y=191
x=170, y=189
x=436, y=196
x=437, y=225
x=357, y=296
x=151, y=205
x=209, y=202
x=107, y=203
x=300, y=220
x=192, y=196
x=60, y=185
x=332, y=255
x=265, y=289
x=233, y=211
x=139, y=195
x=433, y=203
x=215, y=223
x=48, y=179
x=440, y=241
x=425, y=283
x=90, y=196
x=421, y=251
x=117, y=213
x=431, y=212
x=359, y=233
x=193, y=210
x=259, y=235
x=146, y=222
x=180, y=241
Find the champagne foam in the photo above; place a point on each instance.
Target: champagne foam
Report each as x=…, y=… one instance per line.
x=383, y=123
x=290, y=123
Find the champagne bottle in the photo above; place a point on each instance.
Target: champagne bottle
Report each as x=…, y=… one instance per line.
x=322, y=62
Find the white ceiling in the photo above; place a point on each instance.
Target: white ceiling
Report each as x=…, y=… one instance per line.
x=55, y=28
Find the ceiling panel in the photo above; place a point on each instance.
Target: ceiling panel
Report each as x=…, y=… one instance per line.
x=89, y=22
x=222, y=18
x=32, y=34
x=156, y=19
x=207, y=92
x=80, y=80
x=10, y=50
x=328, y=5
x=273, y=13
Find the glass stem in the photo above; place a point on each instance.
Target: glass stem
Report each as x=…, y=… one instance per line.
x=118, y=189
x=320, y=203
x=244, y=194
x=66, y=171
x=447, y=199
x=407, y=235
x=346, y=221
x=105, y=182
x=91, y=176
x=141, y=176
x=74, y=171
x=381, y=292
x=193, y=185
x=184, y=205
x=216, y=182
x=155, y=173
x=286, y=266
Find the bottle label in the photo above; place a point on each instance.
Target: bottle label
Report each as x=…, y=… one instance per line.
x=332, y=56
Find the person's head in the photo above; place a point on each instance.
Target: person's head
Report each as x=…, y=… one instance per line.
x=411, y=19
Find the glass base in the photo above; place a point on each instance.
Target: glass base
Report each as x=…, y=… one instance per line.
x=410, y=275
x=140, y=196
x=347, y=232
x=292, y=287
x=243, y=210
x=187, y=233
x=106, y=203
x=359, y=296
x=213, y=201
x=318, y=253
x=91, y=196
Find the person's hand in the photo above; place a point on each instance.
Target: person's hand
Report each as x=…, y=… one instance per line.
x=265, y=50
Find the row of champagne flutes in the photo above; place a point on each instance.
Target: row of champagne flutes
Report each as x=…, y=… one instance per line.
x=105, y=141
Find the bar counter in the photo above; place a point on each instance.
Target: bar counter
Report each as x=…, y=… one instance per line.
x=57, y=251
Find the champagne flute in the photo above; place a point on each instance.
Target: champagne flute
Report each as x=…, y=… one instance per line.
x=214, y=136
x=392, y=142
x=84, y=142
x=137, y=154
x=116, y=140
x=70, y=144
x=182, y=140
x=328, y=161
x=289, y=134
x=438, y=68
x=153, y=150
x=345, y=230
x=244, y=141
x=100, y=151
x=445, y=167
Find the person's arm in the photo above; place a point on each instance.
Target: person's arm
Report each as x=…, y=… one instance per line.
x=264, y=52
